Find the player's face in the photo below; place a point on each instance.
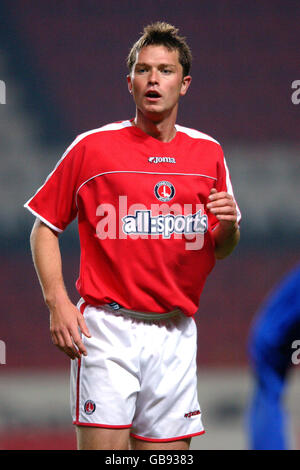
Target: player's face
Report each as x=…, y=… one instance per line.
x=156, y=81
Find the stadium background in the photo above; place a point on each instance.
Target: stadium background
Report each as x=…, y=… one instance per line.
x=63, y=64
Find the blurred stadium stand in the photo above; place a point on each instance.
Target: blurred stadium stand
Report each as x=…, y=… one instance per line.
x=64, y=68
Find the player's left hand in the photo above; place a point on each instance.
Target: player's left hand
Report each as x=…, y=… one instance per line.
x=223, y=206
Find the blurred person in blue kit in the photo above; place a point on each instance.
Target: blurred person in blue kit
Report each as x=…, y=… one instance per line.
x=273, y=348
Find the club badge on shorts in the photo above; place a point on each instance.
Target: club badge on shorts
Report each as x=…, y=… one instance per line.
x=164, y=191
x=89, y=407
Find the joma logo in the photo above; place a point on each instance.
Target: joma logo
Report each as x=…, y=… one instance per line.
x=161, y=160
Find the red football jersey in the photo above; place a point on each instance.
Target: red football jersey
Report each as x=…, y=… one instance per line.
x=145, y=235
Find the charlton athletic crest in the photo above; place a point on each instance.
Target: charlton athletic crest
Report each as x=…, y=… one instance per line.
x=164, y=191
x=89, y=407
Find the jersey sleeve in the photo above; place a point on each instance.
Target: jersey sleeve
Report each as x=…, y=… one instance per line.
x=223, y=183
x=54, y=203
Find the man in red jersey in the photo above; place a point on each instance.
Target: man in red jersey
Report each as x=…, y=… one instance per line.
x=155, y=209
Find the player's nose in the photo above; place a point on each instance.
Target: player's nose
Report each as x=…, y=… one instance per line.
x=153, y=77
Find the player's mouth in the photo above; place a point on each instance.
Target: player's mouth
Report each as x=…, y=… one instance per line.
x=152, y=95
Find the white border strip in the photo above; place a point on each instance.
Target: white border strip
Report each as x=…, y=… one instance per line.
x=230, y=191
x=42, y=218
x=194, y=133
x=140, y=172
x=108, y=127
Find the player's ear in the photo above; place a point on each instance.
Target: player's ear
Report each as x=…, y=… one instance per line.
x=129, y=83
x=186, y=81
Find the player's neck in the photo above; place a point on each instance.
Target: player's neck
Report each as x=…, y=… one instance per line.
x=163, y=130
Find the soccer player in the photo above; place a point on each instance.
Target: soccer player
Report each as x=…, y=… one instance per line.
x=155, y=208
x=274, y=341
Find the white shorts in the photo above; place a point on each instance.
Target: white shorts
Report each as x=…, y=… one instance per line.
x=138, y=374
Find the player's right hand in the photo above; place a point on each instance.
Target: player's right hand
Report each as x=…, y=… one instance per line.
x=66, y=324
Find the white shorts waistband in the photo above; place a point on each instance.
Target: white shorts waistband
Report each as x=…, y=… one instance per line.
x=141, y=315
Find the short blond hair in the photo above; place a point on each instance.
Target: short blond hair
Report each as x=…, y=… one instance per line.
x=162, y=34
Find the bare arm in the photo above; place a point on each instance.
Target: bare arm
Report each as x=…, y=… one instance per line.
x=226, y=234
x=65, y=318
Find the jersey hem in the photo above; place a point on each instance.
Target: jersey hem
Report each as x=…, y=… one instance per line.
x=42, y=218
x=178, y=438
